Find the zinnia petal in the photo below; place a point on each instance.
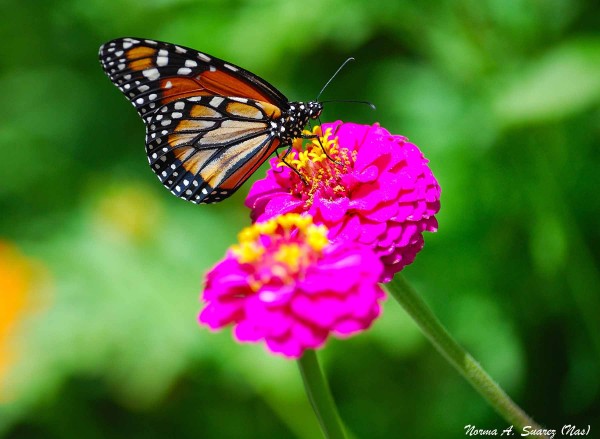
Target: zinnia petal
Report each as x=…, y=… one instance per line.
x=378, y=190
x=287, y=285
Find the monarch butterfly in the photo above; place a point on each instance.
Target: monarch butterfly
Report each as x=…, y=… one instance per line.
x=209, y=123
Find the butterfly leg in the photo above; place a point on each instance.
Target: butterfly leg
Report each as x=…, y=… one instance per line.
x=278, y=170
x=313, y=136
x=287, y=151
x=282, y=158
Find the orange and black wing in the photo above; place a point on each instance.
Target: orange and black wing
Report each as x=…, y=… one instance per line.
x=208, y=122
x=202, y=148
x=152, y=73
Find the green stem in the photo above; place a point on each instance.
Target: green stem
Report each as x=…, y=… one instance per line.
x=416, y=307
x=319, y=396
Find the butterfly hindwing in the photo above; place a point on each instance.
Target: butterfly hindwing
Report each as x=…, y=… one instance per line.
x=203, y=147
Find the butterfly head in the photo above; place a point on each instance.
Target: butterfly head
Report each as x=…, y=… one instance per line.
x=295, y=119
x=314, y=109
x=304, y=111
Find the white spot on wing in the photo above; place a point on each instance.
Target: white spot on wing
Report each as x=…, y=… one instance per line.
x=216, y=101
x=184, y=71
x=151, y=74
x=190, y=63
x=230, y=67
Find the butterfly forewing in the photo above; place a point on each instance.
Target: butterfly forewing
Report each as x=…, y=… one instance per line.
x=152, y=72
x=209, y=123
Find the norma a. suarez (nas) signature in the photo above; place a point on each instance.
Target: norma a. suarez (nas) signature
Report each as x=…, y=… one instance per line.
x=567, y=430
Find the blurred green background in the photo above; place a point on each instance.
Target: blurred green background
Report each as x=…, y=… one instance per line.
x=102, y=268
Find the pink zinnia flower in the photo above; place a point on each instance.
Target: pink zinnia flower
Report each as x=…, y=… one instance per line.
x=370, y=187
x=286, y=284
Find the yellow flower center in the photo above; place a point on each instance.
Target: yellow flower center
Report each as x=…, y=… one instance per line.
x=319, y=165
x=280, y=249
x=288, y=254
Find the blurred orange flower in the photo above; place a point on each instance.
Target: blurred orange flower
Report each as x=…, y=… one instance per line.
x=17, y=275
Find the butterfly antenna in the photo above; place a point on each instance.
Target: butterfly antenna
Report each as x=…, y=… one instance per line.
x=352, y=101
x=334, y=75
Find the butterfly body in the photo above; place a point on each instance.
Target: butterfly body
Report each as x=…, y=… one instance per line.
x=209, y=124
